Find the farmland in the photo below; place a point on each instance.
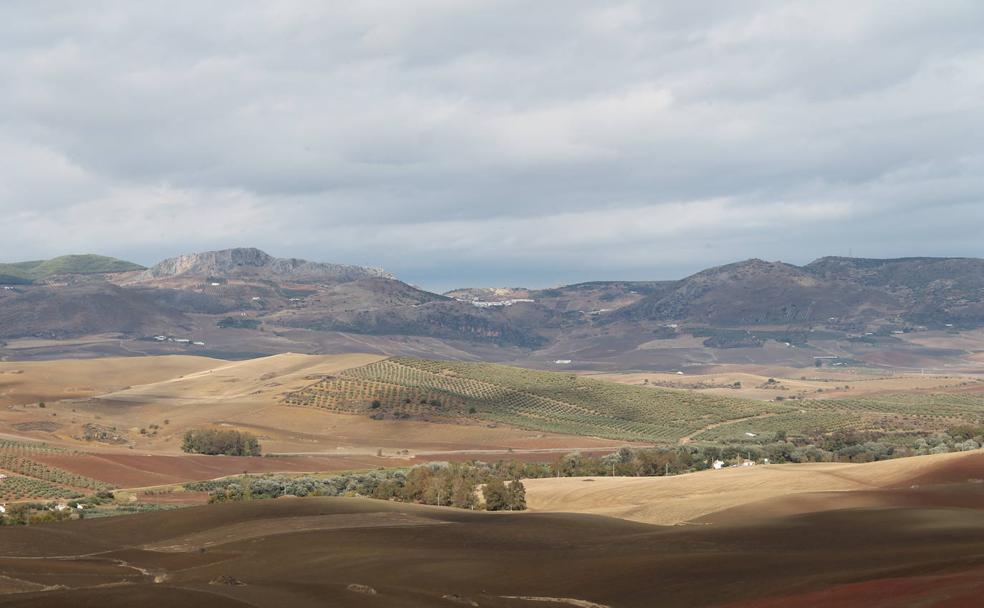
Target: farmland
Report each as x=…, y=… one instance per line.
x=897, y=413
x=547, y=401
x=811, y=528
x=573, y=404
x=28, y=477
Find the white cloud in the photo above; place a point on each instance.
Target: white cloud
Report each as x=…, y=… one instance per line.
x=654, y=136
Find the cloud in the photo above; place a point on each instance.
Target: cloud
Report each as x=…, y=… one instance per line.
x=550, y=141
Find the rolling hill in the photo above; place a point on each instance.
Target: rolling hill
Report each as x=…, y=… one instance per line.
x=882, y=550
x=26, y=272
x=407, y=388
x=745, y=493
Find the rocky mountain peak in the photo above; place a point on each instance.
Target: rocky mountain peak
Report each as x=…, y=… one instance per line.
x=252, y=262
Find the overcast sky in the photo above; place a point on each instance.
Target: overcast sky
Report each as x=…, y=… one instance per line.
x=493, y=142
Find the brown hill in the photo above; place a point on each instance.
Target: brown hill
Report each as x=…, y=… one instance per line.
x=360, y=552
x=932, y=291
x=756, y=292
x=62, y=311
x=750, y=492
x=841, y=290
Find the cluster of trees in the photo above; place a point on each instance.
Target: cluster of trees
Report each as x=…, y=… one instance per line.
x=220, y=441
x=465, y=486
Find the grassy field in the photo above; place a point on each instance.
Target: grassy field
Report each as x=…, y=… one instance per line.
x=66, y=264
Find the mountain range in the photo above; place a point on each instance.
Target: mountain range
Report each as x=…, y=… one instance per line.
x=256, y=296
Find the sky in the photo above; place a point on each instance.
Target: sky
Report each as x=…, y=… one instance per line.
x=462, y=143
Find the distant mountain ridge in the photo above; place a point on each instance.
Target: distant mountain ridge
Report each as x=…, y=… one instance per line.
x=754, y=292
x=254, y=263
x=298, y=299
x=847, y=290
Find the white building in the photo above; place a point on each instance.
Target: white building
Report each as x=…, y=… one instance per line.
x=718, y=464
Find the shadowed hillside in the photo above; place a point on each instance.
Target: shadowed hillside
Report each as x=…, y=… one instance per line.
x=359, y=552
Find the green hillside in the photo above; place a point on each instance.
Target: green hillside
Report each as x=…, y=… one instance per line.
x=545, y=401
x=557, y=402
x=24, y=272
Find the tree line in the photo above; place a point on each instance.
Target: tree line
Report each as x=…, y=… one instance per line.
x=461, y=485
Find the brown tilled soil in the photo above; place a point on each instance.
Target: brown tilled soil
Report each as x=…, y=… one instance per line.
x=886, y=541
x=138, y=470
x=360, y=552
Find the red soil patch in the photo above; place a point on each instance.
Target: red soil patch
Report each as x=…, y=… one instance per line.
x=175, y=498
x=140, y=470
x=954, y=590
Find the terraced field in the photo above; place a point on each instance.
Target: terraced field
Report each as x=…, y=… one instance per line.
x=28, y=478
x=547, y=401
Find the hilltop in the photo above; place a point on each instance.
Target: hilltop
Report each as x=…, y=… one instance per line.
x=245, y=289
x=847, y=291
x=87, y=264
x=249, y=262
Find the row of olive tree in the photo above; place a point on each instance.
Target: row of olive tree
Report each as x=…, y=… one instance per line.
x=465, y=486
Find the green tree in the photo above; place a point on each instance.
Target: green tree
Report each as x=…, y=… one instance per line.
x=496, y=495
x=517, y=495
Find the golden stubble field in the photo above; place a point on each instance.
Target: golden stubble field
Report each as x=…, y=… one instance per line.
x=737, y=494
x=752, y=382
x=165, y=396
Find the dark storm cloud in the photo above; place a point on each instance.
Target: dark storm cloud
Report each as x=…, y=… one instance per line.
x=546, y=141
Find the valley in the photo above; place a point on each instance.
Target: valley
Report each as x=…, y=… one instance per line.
x=752, y=416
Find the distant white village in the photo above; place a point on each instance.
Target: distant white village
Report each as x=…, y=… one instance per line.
x=484, y=304
x=185, y=341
